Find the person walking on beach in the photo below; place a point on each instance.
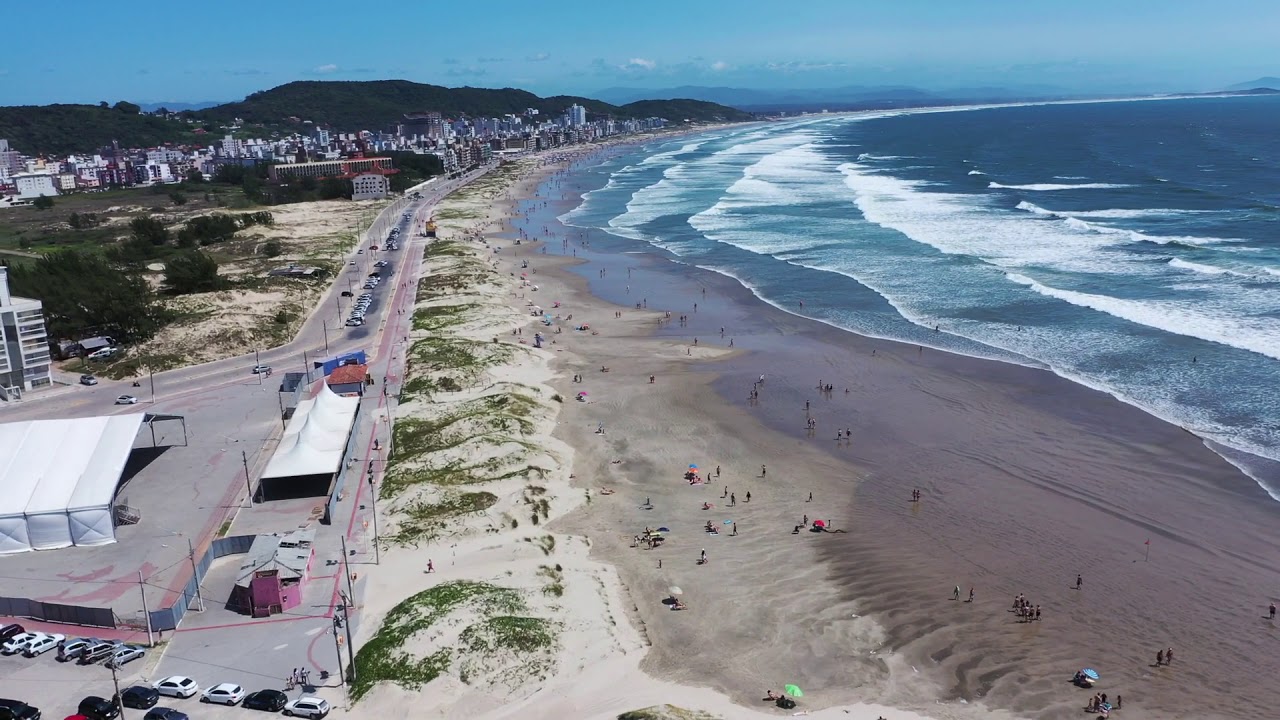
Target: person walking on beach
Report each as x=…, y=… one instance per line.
x=1273, y=607
x=1271, y=612
x=703, y=558
x=726, y=492
x=1079, y=581
x=735, y=529
x=717, y=471
x=1159, y=658
x=733, y=499
x=1037, y=612
x=970, y=594
x=748, y=496
x=1168, y=656
x=955, y=594
x=763, y=471
x=431, y=567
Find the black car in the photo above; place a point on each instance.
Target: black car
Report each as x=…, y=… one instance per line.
x=140, y=697
x=269, y=700
x=96, y=708
x=164, y=713
x=17, y=710
x=9, y=631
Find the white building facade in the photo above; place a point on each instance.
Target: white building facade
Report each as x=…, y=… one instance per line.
x=24, y=343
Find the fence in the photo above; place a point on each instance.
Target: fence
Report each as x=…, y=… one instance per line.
x=355, y=469
x=168, y=618
x=57, y=612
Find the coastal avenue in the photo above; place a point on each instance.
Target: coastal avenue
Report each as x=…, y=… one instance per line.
x=228, y=408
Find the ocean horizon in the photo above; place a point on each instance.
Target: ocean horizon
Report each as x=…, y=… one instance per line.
x=1126, y=246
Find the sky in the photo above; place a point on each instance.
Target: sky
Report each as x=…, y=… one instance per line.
x=147, y=51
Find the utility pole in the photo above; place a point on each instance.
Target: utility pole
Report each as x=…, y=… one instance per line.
x=145, y=613
x=115, y=699
x=280, y=402
x=256, y=363
x=153, y=387
x=373, y=493
x=191, y=554
x=306, y=365
x=346, y=568
x=325, y=326
x=248, y=483
x=351, y=650
x=337, y=647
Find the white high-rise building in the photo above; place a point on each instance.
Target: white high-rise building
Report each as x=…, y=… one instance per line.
x=24, y=344
x=577, y=115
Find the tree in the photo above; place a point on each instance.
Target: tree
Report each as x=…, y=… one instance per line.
x=75, y=222
x=44, y=202
x=82, y=292
x=271, y=248
x=194, y=176
x=334, y=188
x=127, y=107
x=192, y=271
x=178, y=198
x=147, y=229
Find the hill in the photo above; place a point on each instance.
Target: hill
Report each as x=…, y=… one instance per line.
x=64, y=129
x=381, y=104
x=1270, y=82
x=842, y=98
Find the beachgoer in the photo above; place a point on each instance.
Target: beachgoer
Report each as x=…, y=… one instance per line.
x=717, y=471
x=431, y=567
x=955, y=594
x=735, y=529
x=763, y=471
x=1168, y=656
x=733, y=499
x=805, y=521
x=970, y=594
x=1119, y=701
x=1079, y=581
x=1271, y=612
x=748, y=496
x=1159, y=658
x=725, y=494
x=811, y=500
x=1037, y=612
x=703, y=557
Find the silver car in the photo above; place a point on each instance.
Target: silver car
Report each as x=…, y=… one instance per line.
x=125, y=654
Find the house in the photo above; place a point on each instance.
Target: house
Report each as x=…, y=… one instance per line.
x=348, y=379
x=273, y=573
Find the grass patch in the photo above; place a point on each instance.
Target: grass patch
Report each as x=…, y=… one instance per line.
x=439, y=317
x=423, y=521
x=555, y=580
x=503, y=628
x=666, y=712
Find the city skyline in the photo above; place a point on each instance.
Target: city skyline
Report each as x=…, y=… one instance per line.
x=131, y=52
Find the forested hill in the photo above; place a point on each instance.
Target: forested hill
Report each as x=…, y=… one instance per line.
x=382, y=103
x=343, y=106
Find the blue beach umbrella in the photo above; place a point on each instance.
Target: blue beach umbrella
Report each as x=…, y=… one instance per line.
x=728, y=522
x=664, y=529
x=1090, y=673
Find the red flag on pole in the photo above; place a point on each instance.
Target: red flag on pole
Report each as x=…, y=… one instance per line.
x=1148, y=542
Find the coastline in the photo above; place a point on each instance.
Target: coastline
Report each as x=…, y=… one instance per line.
x=692, y=403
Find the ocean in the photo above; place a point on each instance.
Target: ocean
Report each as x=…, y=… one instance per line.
x=1128, y=246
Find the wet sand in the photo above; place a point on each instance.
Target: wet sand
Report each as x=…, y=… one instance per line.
x=1027, y=480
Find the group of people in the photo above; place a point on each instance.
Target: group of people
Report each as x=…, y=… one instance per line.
x=1164, y=657
x=1098, y=703
x=1023, y=609
x=301, y=677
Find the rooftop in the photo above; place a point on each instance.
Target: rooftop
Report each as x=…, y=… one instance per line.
x=287, y=554
x=348, y=374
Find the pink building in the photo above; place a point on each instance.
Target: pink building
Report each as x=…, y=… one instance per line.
x=273, y=573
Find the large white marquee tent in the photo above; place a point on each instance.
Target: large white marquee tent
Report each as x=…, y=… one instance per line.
x=316, y=437
x=58, y=480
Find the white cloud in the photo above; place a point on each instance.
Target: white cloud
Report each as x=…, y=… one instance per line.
x=799, y=66
x=639, y=64
x=327, y=69
x=719, y=66
x=539, y=57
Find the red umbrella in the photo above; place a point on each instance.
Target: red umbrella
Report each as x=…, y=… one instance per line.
x=819, y=523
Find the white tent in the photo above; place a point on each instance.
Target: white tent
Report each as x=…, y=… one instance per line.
x=59, y=479
x=316, y=437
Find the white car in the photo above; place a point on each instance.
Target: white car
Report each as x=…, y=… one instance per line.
x=177, y=686
x=261, y=370
x=307, y=707
x=44, y=644
x=103, y=354
x=224, y=693
x=126, y=400
x=18, y=643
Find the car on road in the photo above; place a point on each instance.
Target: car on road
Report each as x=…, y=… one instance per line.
x=269, y=700
x=44, y=644
x=88, y=380
x=164, y=713
x=261, y=370
x=125, y=654
x=347, y=293
x=18, y=643
x=97, y=708
x=17, y=710
x=101, y=651
x=177, y=686
x=307, y=707
x=381, y=263
x=72, y=648
x=223, y=694
x=140, y=697
x=10, y=630
x=126, y=400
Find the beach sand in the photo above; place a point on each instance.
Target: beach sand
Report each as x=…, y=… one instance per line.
x=1027, y=480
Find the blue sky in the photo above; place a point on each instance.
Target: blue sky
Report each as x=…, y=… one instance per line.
x=148, y=51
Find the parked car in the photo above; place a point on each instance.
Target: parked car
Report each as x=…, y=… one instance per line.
x=96, y=708
x=139, y=697
x=47, y=642
x=16, y=644
x=10, y=630
x=307, y=707
x=269, y=700
x=261, y=369
x=125, y=654
x=164, y=713
x=74, y=647
x=126, y=400
x=177, y=686
x=347, y=293
x=101, y=651
x=88, y=380
x=17, y=710
x=224, y=694
x=103, y=354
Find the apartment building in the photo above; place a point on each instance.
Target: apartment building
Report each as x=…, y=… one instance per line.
x=24, y=344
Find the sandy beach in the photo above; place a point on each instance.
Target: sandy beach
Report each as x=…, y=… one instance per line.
x=527, y=501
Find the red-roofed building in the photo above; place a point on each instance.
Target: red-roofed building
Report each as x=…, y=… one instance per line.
x=348, y=379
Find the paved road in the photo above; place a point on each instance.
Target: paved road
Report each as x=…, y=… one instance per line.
x=218, y=645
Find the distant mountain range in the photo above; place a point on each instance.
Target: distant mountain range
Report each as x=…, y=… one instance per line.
x=841, y=98
x=342, y=105
x=1269, y=82
x=179, y=106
